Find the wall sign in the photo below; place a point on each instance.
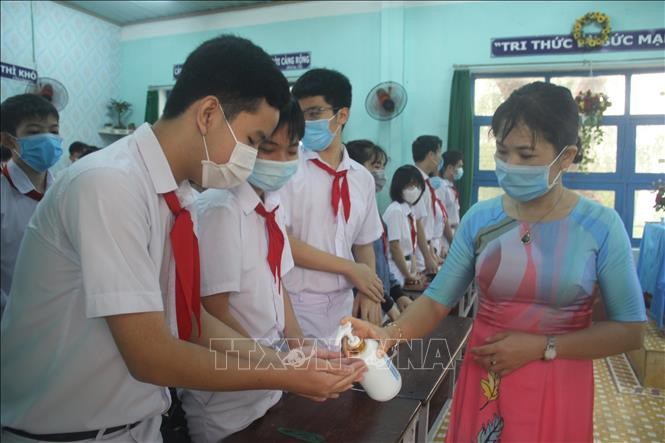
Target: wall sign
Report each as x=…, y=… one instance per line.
x=648, y=39
x=176, y=70
x=16, y=72
x=292, y=61
x=285, y=62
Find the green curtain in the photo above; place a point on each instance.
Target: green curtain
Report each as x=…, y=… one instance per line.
x=152, y=107
x=460, y=131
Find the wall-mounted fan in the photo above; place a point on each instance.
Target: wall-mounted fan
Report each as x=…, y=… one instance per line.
x=52, y=90
x=386, y=101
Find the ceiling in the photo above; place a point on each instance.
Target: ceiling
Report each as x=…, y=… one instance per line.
x=129, y=12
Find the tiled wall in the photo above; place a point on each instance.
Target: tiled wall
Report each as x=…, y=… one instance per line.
x=79, y=50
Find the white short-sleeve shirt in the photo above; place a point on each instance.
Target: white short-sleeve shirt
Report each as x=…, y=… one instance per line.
x=310, y=218
x=423, y=212
x=94, y=248
x=439, y=219
x=234, y=251
x=398, y=228
x=432, y=221
x=449, y=198
x=16, y=208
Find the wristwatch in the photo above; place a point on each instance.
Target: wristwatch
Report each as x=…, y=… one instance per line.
x=550, y=348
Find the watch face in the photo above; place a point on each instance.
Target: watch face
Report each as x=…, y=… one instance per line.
x=550, y=352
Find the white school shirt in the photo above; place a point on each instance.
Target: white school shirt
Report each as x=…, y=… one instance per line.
x=16, y=208
x=439, y=223
x=422, y=211
x=396, y=218
x=309, y=217
x=234, y=251
x=448, y=196
x=423, y=208
x=94, y=248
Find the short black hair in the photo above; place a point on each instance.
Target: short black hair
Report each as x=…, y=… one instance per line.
x=548, y=110
x=15, y=110
x=77, y=147
x=89, y=150
x=451, y=158
x=5, y=153
x=364, y=150
x=334, y=86
x=234, y=70
x=292, y=116
x=423, y=145
x=402, y=178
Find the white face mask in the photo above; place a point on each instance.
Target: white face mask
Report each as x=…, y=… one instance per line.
x=233, y=173
x=411, y=194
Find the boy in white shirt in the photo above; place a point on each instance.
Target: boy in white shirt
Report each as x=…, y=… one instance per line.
x=244, y=289
x=91, y=334
x=430, y=211
x=451, y=171
x=331, y=215
x=30, y=131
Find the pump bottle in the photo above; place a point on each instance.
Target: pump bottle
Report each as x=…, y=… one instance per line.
x=382, y=381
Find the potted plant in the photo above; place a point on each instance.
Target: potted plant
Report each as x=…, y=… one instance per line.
x=659, y=204
x=591, y=107
x=119, y=108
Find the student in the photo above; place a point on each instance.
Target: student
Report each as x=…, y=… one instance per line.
x=444, y=183
x=77, y=150
x=331, y=215
x=93, y=328
x=374, y=159
x=426, y=151
x=244, y=289
x=451, y=171
x=406, y=191
x=30, y=128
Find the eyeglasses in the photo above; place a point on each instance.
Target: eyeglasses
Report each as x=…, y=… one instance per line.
x=314, y=113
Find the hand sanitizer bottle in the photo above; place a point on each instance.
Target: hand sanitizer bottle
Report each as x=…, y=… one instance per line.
x=382, y=381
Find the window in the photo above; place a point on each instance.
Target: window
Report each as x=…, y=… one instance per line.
x=630, y=157
x=164, y=93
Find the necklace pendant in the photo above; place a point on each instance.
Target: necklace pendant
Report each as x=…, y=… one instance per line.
x=526, y=238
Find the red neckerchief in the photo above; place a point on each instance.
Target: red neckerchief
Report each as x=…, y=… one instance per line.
x=340, y=188
x=37, y=196
x=275, y=242
x=187, y=267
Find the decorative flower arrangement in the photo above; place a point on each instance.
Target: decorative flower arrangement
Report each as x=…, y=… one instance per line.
x=591, y=107
x=587, y=40
x=659, y=186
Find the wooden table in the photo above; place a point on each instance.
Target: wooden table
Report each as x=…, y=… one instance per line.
x=433, y=383
x=354, y=417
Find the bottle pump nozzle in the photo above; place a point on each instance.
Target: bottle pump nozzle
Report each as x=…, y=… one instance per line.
x=346, y=330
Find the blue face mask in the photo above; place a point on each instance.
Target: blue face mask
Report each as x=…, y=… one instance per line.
x=271, y=175
x=436, y=182
x=525, y=183
x=458, y=173
x=40, y=151
x=318, y=135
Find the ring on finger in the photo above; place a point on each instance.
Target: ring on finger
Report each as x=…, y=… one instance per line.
x=492, y=362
